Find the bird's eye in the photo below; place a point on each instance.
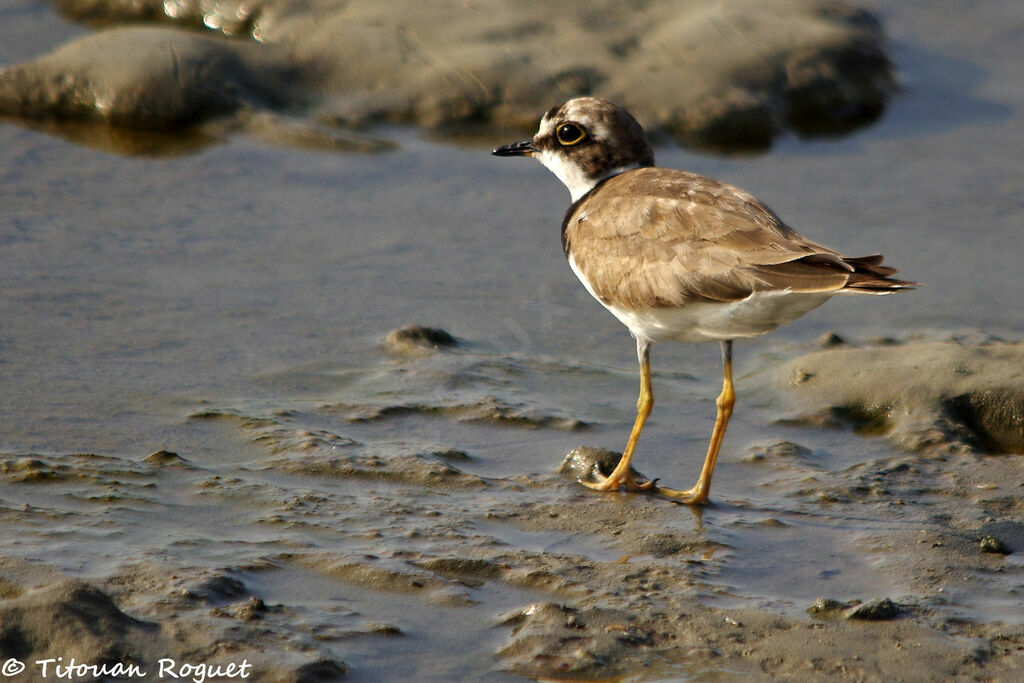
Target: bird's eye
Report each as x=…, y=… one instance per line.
x=570, y=134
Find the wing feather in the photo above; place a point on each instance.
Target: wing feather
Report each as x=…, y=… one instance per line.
x=655, y=237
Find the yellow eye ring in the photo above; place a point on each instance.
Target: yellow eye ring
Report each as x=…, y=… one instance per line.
x=570, y=134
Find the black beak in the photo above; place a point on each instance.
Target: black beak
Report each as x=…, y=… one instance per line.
x=516, y=149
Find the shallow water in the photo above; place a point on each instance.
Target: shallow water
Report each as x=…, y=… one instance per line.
x=227, y=304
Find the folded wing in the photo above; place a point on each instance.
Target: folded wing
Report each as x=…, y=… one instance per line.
x=660, y=238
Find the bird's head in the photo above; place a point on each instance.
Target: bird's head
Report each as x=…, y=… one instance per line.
x=584, y=141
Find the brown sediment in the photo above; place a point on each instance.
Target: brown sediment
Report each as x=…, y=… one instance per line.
x=933, y=398
x=696, y=70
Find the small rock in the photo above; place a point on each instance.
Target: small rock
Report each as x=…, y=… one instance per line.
x=252, y=610
x=830, y=340
x=826, y=607
x=590, y=464
x=386, y=630
x=876, y=610
x=1008, y=532
x=319, y=671
x=164, y=458
x=451, y=453
x=418, y=337
x=991, y=544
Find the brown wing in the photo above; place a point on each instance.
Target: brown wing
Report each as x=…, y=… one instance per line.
x=657, y=237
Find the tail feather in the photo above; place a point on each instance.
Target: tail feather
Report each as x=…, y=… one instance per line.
x=871, y=260
x=869, y=276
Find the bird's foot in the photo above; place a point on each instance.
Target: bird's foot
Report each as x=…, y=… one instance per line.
x=698, y=495
x=626, y=481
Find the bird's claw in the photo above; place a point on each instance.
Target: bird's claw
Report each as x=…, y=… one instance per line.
x=615, y=483
x=694, y=496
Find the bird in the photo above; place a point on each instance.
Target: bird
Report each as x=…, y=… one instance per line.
x=677, y=256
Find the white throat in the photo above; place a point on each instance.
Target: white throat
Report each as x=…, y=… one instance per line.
x=571, y=175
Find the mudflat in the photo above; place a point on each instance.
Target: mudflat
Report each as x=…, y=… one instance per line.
x=297, y=385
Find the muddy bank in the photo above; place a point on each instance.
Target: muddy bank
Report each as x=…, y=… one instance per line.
x=188, y=624
x=325, y=542
x=640, y=608
x=698, y=70
x=152, y=78
x=936, y=398
x=395, y=512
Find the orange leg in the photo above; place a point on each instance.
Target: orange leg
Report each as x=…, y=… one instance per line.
x=726, y=401
x=621, y=475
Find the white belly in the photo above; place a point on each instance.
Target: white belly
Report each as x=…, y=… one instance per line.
x=697, y=322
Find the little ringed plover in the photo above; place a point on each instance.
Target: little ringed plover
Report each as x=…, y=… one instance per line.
x=677, y=256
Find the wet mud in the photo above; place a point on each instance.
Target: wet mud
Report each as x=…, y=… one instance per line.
x=442, y=64
x=379, y=537
x=222, y=445
x=936, y=398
